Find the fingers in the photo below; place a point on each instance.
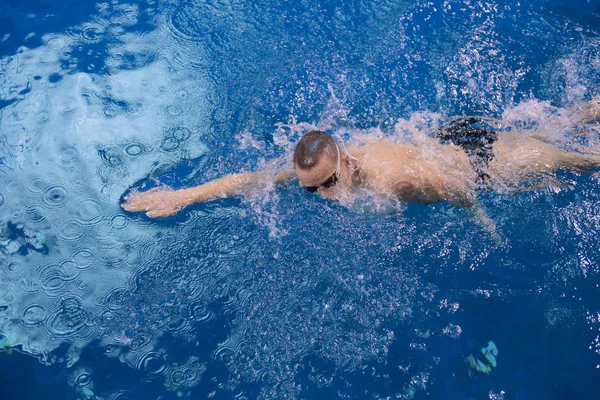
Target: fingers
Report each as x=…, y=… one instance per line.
x=135, y=204
x=159, y=213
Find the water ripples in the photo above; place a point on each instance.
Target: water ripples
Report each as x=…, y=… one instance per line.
x=152, y=363
x=92, y=33
x=32, y=316
x=134, y=149
x=68, y=154
x=90, y=212
x=174, y=138
x=55, y=196
x=70, y=318
x=36, y=185
x=71, y=231
x=83, y=258
x=33, y=214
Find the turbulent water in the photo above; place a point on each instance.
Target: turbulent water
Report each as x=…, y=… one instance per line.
x=283, y=294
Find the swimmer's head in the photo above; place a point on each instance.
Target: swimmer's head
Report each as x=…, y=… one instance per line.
x=317, y=161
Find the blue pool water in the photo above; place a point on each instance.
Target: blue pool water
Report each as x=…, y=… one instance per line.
x=283, y=295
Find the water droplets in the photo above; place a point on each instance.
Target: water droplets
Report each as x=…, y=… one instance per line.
x=69, y=318
x=14, y=186
x=36, y=185
x=68, y=154
x=119, y=221
x=134, y=149
x=70, y=230
x=33, y=315
x=113, y=157
x=92, y=33
x=90, y=211
x=174, y=138
x=83, y=258
x=152, y=363
x=55, y=196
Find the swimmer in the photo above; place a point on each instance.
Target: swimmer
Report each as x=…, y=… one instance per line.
x=466, y=156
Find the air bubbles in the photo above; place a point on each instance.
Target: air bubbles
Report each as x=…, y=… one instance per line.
x=92, y=33
x=68, y=154
x=1, y=199
x=55, y=196
x=33, y=316
x=134, y=149
x=36, y=185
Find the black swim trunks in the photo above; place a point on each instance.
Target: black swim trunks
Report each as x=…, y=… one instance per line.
x=476, y=137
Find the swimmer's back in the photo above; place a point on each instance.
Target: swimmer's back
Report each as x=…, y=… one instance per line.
x=401, y=169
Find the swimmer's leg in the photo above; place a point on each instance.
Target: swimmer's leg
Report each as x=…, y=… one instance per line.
x=519, y=154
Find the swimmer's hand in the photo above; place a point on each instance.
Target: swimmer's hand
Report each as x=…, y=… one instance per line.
x=164, y=201
x=157, y=202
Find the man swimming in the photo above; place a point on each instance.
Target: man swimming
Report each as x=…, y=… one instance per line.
x=428, y=171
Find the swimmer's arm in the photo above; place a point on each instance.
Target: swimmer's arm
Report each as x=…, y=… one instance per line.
x=236, y=184
x=164, y=202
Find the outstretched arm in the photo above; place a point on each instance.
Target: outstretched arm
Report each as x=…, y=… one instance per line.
x=164, y=202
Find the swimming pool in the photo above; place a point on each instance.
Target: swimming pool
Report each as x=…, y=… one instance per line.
x=283, y=294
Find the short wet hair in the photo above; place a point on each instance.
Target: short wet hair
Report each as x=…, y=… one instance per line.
x=313, y=146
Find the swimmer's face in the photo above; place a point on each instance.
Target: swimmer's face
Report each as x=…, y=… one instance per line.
x=322, y=177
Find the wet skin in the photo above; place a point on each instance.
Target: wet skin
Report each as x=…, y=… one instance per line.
x=427, y=172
